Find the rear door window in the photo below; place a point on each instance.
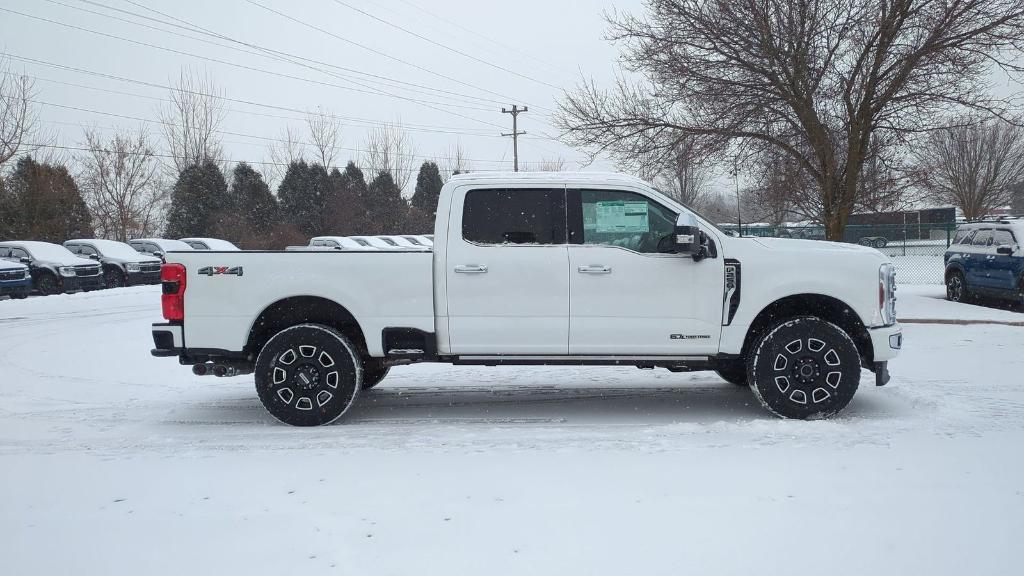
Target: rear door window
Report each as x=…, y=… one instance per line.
x=982, y=238
x=517, y=216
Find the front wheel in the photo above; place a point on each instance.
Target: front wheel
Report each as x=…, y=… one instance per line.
x=804, y=368
x=956, y=289
x=114, y=278
x=47, y=285
x=308, y=375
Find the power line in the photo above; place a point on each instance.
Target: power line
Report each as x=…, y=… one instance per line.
x=445, y=46
x=263, y=51
x=427, y=104
x=374, y=50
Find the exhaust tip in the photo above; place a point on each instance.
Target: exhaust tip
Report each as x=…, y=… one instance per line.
x=200, y=369
x=220, y=370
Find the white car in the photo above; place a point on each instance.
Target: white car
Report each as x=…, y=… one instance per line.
x=338, y=243
x=541, y=269
x=158, y=247
x=215, y=244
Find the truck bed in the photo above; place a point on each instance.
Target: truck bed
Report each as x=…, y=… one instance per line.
x=226, y=291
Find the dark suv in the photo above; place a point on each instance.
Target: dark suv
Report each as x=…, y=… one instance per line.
x=54, y=269
x=122, y=265
x=986, y=259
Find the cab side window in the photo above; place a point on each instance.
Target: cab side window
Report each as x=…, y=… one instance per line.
x=982, y=238
x=1003, y=238
x=18, y=253
x=518, y=216
x=625, y=219
x=87, y=250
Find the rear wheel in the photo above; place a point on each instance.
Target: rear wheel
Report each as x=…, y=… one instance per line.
x=308, y=375
x=956, y=289
x=881, y=243
x=374, y=371
x=804, y=368
x=734, y=372
x=47, y=284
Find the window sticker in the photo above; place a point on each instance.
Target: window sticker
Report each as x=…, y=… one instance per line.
x=616, y=216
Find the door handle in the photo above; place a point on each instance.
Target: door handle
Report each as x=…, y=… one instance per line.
x=470, y=269
x=595, y=269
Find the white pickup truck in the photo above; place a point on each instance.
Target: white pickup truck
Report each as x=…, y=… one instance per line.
x=549, y=269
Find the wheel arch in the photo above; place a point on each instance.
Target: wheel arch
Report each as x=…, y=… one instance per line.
x=295, y=310
x=827, y=308
x=951, y=268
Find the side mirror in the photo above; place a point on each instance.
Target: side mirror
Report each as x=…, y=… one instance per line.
x=25, y=260
x=1005, y=250
x=158, y=254
x=94, y=256
x=688, y=237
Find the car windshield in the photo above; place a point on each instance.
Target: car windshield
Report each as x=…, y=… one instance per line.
x=112, y=249
x=46, y=251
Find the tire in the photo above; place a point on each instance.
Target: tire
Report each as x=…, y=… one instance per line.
x=804, y=368
x=733, y=372
x=114, y=278
x=308, y=389
x=956, y=287
x=47, y=284
x=881, y=243
x=373, y=372
x=20, y=295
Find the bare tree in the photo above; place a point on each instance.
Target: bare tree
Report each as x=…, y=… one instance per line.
x=287, y=148
x=17, y=116
x=325, y=136
x=121, y=184
x=455, y=162
x=554, y=164
x=973, y=166
x=685, y=174
x=389, y=149
x=815, y=79
x=191, y=119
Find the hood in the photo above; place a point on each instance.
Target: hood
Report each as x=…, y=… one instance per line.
x=9, y=265
x=794, y=245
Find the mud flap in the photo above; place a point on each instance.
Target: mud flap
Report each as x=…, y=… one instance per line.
x=881, y=373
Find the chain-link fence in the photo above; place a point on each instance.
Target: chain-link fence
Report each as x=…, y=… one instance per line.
x=916, y=249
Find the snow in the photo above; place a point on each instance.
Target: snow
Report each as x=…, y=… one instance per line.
x=114, y=249
x=115, y=462
x=51, y=253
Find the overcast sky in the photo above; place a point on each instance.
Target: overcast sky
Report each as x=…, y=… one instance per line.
x=450, y=85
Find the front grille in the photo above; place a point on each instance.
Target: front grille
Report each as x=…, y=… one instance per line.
x=87, y=270
x=155, y=267
x=7, y=275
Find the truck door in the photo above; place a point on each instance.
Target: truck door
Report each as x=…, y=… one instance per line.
x=975, y=262
x=625, y=296
x=507, y=272
x=1002, y=267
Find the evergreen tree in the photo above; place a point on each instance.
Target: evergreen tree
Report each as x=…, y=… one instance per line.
x=199, y=202
x=252, y=210
x=428, y=188
x=304, y=194
x=387, y=208
x=347, y=212
x=43, y=202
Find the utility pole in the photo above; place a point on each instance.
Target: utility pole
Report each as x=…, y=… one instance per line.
x=736, y=178
x=515, y=112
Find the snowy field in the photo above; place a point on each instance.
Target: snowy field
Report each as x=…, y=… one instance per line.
x=114, y=462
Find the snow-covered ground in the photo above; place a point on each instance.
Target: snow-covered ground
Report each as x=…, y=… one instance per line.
x=113, y=462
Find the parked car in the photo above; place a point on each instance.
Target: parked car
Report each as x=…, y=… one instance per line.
x=874, y=241
x=985, y=259
x=122, y=265
x=338, y=243
x=528, y=269
x=157, y=247
x=15, y=280
x=209, y=244
x=54, y=269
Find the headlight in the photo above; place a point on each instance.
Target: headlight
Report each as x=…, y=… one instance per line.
x=66, y=270
x=887, y=293
x=133, y=267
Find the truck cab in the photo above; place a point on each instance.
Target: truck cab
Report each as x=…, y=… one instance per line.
x=581, y=269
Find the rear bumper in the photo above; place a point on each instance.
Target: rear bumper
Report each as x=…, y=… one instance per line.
x=886, y=342
x=168, y=340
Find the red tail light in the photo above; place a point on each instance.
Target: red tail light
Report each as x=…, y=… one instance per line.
x=172, y=277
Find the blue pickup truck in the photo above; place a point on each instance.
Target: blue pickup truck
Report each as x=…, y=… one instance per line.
x=986, y=259
x=15, y=280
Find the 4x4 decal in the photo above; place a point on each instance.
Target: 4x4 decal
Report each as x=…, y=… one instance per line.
x=218, y=270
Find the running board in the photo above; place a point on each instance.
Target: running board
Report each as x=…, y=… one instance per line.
x=690, y=362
